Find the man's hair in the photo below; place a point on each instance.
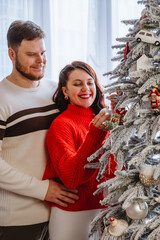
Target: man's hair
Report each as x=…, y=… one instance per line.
x=20, y=30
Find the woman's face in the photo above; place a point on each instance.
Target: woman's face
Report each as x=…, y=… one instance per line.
x=80, y=88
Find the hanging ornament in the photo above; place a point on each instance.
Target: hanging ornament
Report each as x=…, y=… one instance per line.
x=126, y=51
x=109, y=124
x=146, y=175
x=147, y=37
x=143, y=16
x=117, y=227
x=146, y=24
x=118, y=116
x=136, y=211
x=110, y=167
x=155, y=98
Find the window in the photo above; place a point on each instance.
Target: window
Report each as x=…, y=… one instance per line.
x=148, y=34
x=9, y=11
x=75, y=30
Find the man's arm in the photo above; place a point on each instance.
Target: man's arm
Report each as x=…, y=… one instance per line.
x=13, y=180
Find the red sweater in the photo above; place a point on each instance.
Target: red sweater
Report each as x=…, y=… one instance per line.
x=70, y=140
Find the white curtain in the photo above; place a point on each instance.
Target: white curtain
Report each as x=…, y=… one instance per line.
x=10, y=10
x=99, y=36
x=123, y=10
x=75, y=30
x=69, y=32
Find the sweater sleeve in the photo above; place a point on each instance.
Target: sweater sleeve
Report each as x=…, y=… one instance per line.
x=68, y=161
x=13, y=180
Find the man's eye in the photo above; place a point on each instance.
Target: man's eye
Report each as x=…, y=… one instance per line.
x=31, y=54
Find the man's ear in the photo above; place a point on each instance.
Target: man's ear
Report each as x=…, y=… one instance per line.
x=11, y=53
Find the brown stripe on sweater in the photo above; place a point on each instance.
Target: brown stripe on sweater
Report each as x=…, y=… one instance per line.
x=31, y=111
x=3, y=123
x=2, y=133
x=2, y=129
x=30, y=125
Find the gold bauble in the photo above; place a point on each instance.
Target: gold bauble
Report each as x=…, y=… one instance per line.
x=146, y=175
x=147, y=180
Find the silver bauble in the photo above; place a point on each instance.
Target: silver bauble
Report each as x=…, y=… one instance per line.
x=136, y=212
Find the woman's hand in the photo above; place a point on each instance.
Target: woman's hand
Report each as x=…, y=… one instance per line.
x=100, y=119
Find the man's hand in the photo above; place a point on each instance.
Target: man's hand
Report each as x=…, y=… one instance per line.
x=59, y=194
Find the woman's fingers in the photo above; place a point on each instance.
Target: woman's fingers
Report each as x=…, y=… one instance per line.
x=100, y=119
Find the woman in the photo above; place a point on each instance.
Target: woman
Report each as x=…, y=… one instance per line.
x=73, y=136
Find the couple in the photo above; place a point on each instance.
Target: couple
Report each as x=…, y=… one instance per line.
x=40, y=170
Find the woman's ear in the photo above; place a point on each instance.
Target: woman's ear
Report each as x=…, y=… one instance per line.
x=64, y=90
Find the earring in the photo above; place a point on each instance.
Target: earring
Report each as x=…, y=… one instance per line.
x=66, y=97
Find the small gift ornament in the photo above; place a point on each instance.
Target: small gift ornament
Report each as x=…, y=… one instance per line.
x=137, y=211
x=117, y=227
x=117, y=117
x=146, y=175
x=118, y=114
x=155, y=97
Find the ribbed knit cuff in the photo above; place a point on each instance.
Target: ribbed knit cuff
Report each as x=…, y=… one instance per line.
x=97, y=133
x=41, y=189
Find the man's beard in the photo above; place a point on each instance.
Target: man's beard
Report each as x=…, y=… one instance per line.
x=21, y=69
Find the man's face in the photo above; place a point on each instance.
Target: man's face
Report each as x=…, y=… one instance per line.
x=30, y=59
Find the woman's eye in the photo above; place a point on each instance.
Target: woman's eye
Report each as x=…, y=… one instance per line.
x=90, y=83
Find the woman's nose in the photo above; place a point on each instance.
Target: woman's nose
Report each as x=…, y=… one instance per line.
x=85, y=87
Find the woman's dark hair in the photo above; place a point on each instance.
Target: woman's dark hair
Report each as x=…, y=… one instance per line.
x=58, y=96
x=20, y=30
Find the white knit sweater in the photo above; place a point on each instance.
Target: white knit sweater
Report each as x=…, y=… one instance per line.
x=25, y=116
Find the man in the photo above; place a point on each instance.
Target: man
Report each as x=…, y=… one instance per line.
x=26, y=111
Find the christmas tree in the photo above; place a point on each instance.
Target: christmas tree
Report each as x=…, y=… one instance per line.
x=133, y=195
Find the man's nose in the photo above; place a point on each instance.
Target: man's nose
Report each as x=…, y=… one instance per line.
x=39, y=58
